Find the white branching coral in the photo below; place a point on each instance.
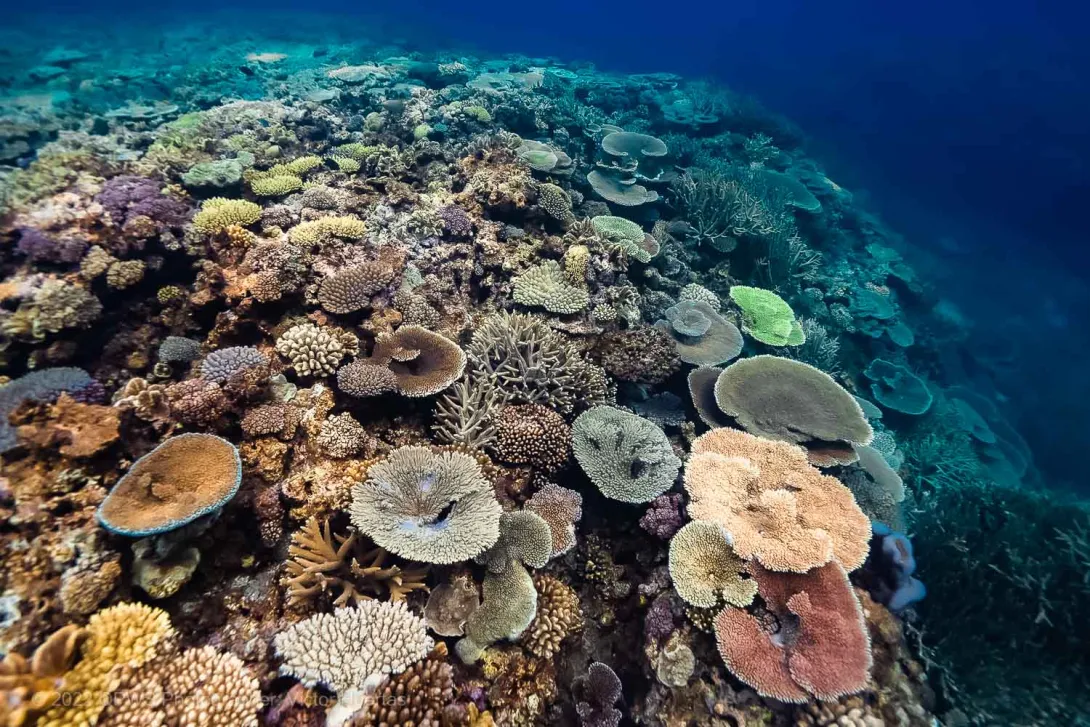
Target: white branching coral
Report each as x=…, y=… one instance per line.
x=351, y=650
x=426, y=505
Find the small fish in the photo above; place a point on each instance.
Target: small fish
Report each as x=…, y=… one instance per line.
x=246, y=70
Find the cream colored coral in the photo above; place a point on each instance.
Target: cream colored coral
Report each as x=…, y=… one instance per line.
x=125, y=635
x=218, y=213
x=96, y=262
x=352, y=648
x=125, y=273
x=314, y=232
x=705, y=569
x=547, y=286
x=311, y=350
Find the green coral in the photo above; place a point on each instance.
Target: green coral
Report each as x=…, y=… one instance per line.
x=627, y=457
x=767, y=317
x=276, y=186
x=313, y=232
x=347, y=164
x=218, y=213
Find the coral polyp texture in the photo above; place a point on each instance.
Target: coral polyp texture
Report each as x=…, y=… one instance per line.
x=184, y=478
x=426, y=505
x=469, y=388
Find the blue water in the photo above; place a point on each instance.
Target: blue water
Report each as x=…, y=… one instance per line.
x=963, y=125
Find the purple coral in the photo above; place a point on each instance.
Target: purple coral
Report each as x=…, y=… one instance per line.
x=660, y=620
x=456, y=221
x=40, y=247
x=601, y=689
x=663, y=517
x=128, y=196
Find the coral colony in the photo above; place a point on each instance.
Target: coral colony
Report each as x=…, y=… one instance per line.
x=394, y=388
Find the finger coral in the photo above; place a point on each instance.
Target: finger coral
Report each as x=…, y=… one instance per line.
x=626, y=456
x=217, y=214
x=313, y=351
x=558, y=617
x=324, y=229
x=184, y=478
x=433, y=507
x=421, y=695
x=350, y=290
x=773, y=504
x=546, y=286
x=531, y=434
x=126, y=635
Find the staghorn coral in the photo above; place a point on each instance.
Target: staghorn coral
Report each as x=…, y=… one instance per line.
x=181, y=480
x=705, y=569
x=531, y=434
x=321, y=564
x=776, y=507
x=434, y=507
x=547, y=286
x=351, y=289
x=627, y=457
x=561, y=508
x=558, y=617
x=313, y=351
x=125, y=635
x=531, y=363
x=351, y=650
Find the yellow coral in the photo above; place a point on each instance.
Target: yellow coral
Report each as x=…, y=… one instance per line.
x=275, y=186
x=218, y=213
x=347, y=164
x=313, y=232
x=576, y=260
x=128, y=634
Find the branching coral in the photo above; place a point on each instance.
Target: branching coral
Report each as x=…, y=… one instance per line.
x=321, y=564
x=351, y=289
x=434, y=507
x=531, y=434
x=546, y=286
x=558, y=617
x=313, y=351
x=217, y=214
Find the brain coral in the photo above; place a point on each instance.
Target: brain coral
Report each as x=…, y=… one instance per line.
x=546, y=286
x=706, y=570
x=353, y=648
x=788, y=400
x=702, y=336
x=182, y=479
x=826, y=655
x=767, y=317
x=423, y=362
x=434, y=507
x=350, y=290
x=773, y=504
x=626, y=456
